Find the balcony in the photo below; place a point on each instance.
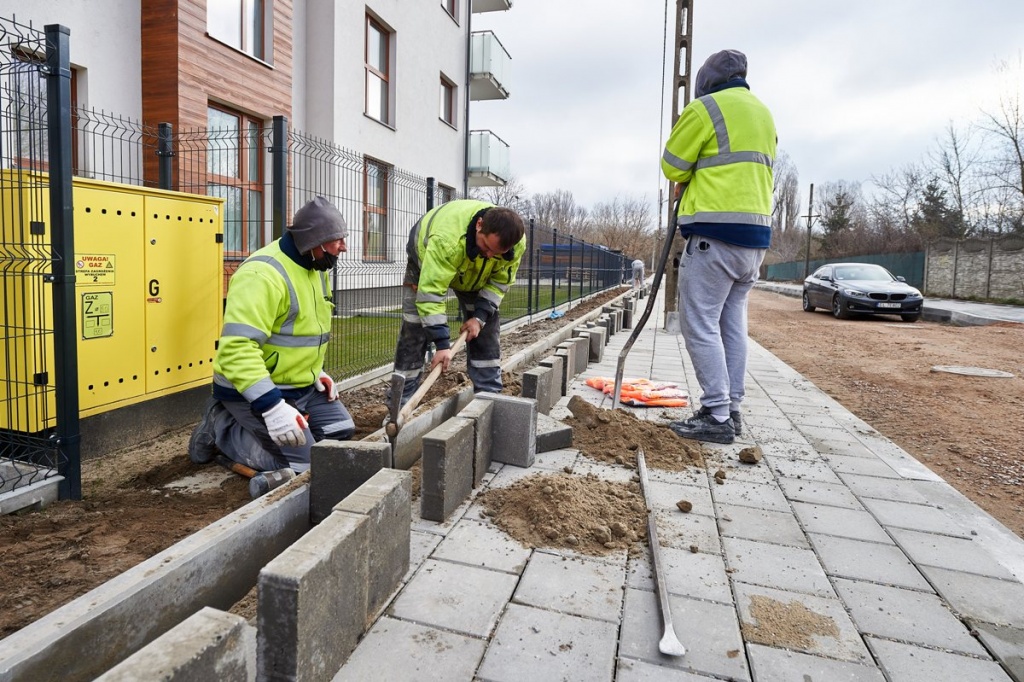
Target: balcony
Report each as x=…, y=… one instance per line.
x=480, y=6
x=488, y=67
x=488, y=159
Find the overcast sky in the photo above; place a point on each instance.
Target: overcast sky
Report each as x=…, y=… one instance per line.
x=857, y=88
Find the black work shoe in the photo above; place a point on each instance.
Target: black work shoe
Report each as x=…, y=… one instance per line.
x=202, y=446
x=703, y=426
x=737, y=422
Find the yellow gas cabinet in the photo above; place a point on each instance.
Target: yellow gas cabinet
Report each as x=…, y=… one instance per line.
x=149, y=299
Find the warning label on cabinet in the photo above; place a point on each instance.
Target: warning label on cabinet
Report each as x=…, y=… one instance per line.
x=97, y=315
x=94, y=268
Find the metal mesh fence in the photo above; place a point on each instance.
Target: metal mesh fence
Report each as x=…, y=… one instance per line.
x=27, y=406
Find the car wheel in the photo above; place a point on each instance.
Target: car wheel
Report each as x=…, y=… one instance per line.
x=912, y=317
x=807, y=304
x=837, y=308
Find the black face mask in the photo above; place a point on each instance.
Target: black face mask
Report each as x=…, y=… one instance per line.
x=325, y=262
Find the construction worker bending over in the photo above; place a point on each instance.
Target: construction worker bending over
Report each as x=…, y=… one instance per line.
x=638, y=273
x=271, y=398
x=723, y=145
x=474, y=248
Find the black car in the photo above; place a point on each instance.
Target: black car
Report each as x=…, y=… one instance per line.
x=848, y=289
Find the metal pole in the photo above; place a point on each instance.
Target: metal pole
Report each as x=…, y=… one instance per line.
x=279, y=169
x=430, y=193
x=568, y=272
x=554, y=265
x=67, y=437
x=529, y=281
x=165, y=155
x=810, y=222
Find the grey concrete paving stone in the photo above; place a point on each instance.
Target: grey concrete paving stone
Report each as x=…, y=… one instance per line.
x=1006, y=643
x=803, y=469
x=871, y=561
x=337, y=468
x=815, y=418
x=896, y=489
x=576, y=586
x=791, y=451
x=398, y=650
x=481, y=544
x=607, y=472
x=710, y=632
x=785, y=568
x=909, y=663
x=759, y=524
x=455, y=597
x=664, y=495
x=956, y=554
x=682, y=531
x=480, y=412
x=781, y=665
x=737, y=471
x=534, y=644
x=552, y=434
x=758, y=495
x=557, y=364
x=835, y=635
x=864, y=466
x=688, y=476
x=980, y=597
x=556, y=460
x=906, y=615
x=687, y=574
x=819, y=492
x=537, y=384
x=513, y=429
x=632, y=670
x=848, y=523
x=447, y=465
x=775, y=436
x=420, y=547
x=914, y=517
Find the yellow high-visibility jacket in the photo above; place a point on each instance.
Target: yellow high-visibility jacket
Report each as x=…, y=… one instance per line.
x=723, y=146
x=277, y=323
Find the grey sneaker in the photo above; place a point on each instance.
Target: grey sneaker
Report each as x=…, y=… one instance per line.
x=703, y=426
x=202, y=446
x=737, y=422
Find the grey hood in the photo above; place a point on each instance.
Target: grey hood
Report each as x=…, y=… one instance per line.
x=720, y=68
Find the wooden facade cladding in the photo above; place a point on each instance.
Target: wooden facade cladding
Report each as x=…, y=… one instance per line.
x=184, y=70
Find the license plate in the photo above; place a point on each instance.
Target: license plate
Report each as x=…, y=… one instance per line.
x=889, y=305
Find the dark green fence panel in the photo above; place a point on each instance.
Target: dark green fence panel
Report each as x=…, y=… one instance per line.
x=910, y=266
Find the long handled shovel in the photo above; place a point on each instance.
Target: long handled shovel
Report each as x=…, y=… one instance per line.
x=669, y=644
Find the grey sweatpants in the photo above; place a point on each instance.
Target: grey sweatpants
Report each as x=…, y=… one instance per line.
x=714, y=281
x=243, y=436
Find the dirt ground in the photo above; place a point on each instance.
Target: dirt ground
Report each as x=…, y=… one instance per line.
x=967, y=429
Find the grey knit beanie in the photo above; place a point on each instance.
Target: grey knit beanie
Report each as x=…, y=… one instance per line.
x=316, y=223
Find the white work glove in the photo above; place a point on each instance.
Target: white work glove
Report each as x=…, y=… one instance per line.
x=325, y=384
x=286, y=425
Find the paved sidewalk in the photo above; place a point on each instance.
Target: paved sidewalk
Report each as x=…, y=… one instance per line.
x=886, y=571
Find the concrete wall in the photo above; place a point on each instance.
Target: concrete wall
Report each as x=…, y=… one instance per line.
x=976, y=268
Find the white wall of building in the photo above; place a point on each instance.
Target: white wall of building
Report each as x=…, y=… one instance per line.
x=329, y=81
x=105, y=45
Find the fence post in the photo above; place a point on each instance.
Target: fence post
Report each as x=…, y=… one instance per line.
x=554, y=265
x=529, y=281
x=165, y=154
x=62, y=235
x=430, y=193
x=279, y=169
x=568, y=271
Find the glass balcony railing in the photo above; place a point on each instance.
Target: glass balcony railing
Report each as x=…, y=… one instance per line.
x=488, y=159
x=489, y=66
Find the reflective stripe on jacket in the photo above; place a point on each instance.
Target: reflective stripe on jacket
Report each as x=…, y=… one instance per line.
x=723, y=146
x=439, y=238
x=277, y=323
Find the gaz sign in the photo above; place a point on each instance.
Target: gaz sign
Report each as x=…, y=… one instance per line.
x=97, y=315
x=94, y=268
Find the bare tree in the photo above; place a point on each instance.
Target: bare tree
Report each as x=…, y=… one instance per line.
x=1006, y=128
x=954, y=162
x=510, y=195
x=624, y=224
x=558, y=210
x=787, y=194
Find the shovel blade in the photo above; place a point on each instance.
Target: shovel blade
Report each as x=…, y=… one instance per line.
x=397, y=388
x=670, y=644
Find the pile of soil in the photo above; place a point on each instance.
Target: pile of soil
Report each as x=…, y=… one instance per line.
x=583, y=513
x=613, y=436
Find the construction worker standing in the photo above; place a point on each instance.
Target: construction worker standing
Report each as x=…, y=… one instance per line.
x=271, y=398
x=474, y=248
x=722, y=148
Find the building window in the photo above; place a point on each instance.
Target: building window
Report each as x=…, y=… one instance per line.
x=239, y=23
x=448, y=91
x=375, y=210
x=378, y=71
x=234, y=169
x=451, y=6
x=444, y=194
